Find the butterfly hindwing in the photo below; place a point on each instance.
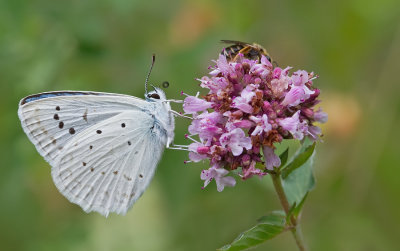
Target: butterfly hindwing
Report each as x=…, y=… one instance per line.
x=108, y=171
x=51, y=119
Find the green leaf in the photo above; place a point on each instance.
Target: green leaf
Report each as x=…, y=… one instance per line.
x=296, y=209
x=267, y=227
x=274, y=218
x=284, y=157
x=298, y=161
x=291, y=210
x=300, y=181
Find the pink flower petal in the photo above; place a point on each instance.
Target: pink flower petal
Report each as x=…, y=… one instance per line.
x=300, y=77
x=262, y=125
x=251, y=171
x=294, y=126
x=193, y=104
x=241, y=103
x=271, y=159
x=320, y=116
x=218, y=174
x=236, y=140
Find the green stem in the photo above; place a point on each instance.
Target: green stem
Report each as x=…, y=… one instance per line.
x=298, y=236
x=294, y=224
x=295, y=227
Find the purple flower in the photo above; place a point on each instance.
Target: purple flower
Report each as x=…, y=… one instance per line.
x=218, y=174
x=313, y=132
x=271, y=159
x=300, y=78
x=294, y=126
x=299, y=92
x=252, y=170
x=244, y=124
x=193, y=105
x=246, y=96
x=320, y=116
x=250, y=106
x=277, y=72
x=206, y=125
x=262, y=125
x=249, y=92
x=242, y=104
x=195, y=155
x=265, y=61
x=247, y=124
x=279, y=86
x=297, y=95
x=223, y=67
x=236, y=140
x=214, y=84
x=263, y=69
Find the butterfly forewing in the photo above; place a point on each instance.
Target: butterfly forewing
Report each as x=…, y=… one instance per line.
x=50, y=119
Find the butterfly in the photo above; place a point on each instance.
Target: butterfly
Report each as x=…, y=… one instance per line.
x=103, y=147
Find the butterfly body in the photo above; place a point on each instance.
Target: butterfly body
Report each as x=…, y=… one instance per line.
x=103, y=147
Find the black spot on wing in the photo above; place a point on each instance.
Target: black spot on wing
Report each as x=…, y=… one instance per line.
x=84, y=116
x=52, y=95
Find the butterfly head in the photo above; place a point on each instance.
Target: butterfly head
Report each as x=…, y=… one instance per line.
x=156, y=95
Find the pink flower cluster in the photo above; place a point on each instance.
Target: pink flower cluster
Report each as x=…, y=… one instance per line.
x=250, y=106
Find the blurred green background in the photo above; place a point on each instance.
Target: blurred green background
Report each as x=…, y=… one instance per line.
x=106, y=45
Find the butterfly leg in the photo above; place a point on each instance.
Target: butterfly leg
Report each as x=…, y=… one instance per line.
x=174, y=101
x=175, y=147
x=180, y=115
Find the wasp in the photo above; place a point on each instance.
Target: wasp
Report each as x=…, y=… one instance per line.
x=250, y=51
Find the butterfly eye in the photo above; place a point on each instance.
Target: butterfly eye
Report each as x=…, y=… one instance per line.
x=154, y=95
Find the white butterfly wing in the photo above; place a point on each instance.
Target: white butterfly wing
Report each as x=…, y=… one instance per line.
x=51, y=119
x=103, y=148
x=108, y=171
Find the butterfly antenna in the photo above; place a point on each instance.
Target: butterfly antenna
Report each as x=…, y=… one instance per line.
x=148, y=75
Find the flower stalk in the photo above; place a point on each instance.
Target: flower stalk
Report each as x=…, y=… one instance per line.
x=294, y=225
